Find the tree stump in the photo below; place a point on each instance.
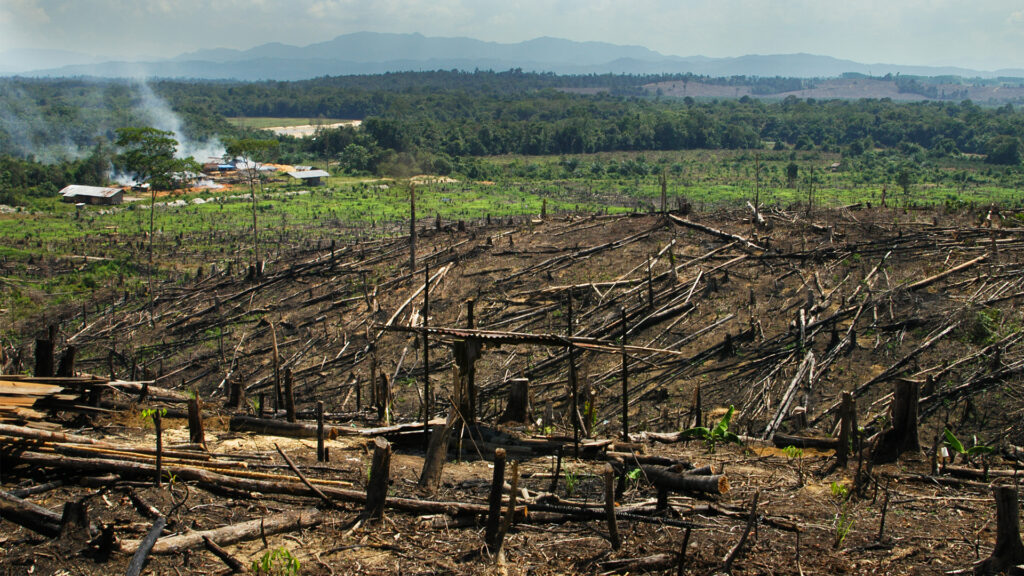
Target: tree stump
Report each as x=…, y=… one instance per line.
x=1009, y=551
x=380, y=474
x=195, y=423
x=466, y=353
x=847, y=427
x=520, y=406
x=66, y=368
x=902, y=437
x=44, y=358
x=437, y=453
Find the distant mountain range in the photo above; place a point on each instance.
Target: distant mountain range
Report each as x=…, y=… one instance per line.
x=376, y=53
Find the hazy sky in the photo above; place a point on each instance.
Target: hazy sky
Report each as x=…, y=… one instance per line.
x=981, y=34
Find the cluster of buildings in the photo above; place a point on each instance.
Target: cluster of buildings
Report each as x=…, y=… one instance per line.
x=213, y=172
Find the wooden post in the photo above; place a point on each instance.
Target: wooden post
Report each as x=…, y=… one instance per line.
x=383, y=394
x=519, y=408
x=625, y=379
x=609, y=506
x=289, y=395
x=573, y=386
x=510, y=512
x=1009, y=551
x=847, y=427
x=66, y=368
x=426, y=358
x=263, y=405
x=412, y=228
x=380, y=474
x=44, y=358
x=158, y=426
x=195, y=422
x=494, y=500
x=470, y=304
x=321, y=454
x=278, y=397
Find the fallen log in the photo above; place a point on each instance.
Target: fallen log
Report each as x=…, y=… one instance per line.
x=784, y=440
x=664, y=478
x=29, y=515
x=145, y=547
x=240, y=423
x=233, y=533
x=215, y=480
x=714, y=232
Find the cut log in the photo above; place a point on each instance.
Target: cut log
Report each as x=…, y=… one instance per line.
x=784, y=440
x=233, y=533
x=240, y=423
x=145, y=547
x=664, y=478
x=29, y=515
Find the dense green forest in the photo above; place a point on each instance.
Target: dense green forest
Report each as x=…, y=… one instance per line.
x=54, y=131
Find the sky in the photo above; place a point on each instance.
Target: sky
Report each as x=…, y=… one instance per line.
x=980, y=34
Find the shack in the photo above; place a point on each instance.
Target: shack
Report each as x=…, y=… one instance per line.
x=79, y=194
x=310, y=177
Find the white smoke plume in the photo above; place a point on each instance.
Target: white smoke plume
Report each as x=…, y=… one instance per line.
x=163, y=118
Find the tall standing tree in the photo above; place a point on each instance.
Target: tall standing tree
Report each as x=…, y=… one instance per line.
x=252, y=152
x=149, y=154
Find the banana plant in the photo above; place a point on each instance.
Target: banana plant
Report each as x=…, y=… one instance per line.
x=719, y=433
x=959, y=448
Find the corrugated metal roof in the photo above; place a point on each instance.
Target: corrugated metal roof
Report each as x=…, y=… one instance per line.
x=91, y=191
x=302, y=175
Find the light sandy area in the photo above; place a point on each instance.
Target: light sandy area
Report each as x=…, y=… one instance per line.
x=310, y=129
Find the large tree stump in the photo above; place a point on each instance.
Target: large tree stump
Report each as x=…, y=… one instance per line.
x=1009, y=550
x=520, y=406
x=902, y=437
x=380, y=475
x=66, y=368
x=466, y=353
x=437, y=453
x=44, y=358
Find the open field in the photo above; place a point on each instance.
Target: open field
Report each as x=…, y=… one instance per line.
x=295, y=127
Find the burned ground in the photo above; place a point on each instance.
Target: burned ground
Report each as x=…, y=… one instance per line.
x=718, y=313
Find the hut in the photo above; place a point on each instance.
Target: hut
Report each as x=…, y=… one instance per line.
x=310, y=177
x=79, y=194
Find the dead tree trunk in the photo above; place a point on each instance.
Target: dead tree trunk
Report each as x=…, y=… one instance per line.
x=902, y=437
x=289, y=395
x=1009, y=551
